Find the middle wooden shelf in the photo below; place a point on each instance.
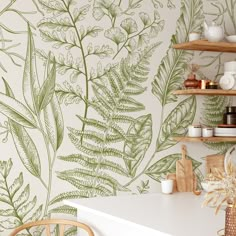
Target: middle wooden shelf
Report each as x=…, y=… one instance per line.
x=205, y=92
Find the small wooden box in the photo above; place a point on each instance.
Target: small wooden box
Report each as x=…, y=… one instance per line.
x=214, y=162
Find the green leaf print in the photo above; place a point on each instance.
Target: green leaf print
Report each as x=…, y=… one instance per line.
x=17, y=111
x=176, y=123
x=47, y=90
x=171, y=71
x=54, y=123
x=24, y=144
x=141, y=130
x=212, y=115
x=26, y=149
x=167, y=165
x=30, y=77
x=19, y=207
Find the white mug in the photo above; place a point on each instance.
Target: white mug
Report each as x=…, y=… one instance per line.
x=194, y=36
x=167, y=186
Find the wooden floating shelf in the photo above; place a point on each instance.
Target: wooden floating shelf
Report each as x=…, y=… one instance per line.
x=205, y=92
x=205, y=139
x=204, y=45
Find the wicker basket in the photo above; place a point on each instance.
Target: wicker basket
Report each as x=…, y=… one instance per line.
x=230, y=220
x=214, y=162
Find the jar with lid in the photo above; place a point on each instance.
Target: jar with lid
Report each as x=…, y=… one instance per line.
x=229, y=117
x=212, y=85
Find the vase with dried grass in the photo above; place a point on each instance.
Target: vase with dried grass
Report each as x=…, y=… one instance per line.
x=225, y=193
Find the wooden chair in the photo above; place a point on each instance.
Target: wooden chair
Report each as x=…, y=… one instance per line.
x=47, y=223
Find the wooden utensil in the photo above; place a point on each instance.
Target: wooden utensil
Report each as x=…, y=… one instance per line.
x=184, y=173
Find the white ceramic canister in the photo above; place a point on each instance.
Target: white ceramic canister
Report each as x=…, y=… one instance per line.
x=207, y=132
x=194, y=36
x=195, y=131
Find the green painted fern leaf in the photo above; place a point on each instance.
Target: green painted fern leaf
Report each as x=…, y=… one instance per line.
x=171, y=71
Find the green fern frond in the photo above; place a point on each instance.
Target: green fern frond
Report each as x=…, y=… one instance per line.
x=62, y=65
x=90, y=135
x=69, y=195
x=17, y=184
x=131, y=102
x=50, y=23
x=213, y=110
x=94, y=123
x=103, y=101
x=36, y=215
x=106, y=92
x=92, y=163
x=5, y=198
x=119, y=79
x=104, y=113
x=25, y=209
x=101, y=178
x=221, y=148
x=19, y=208
x=109, y=96
x=64, y=210
x=212, y=117
x=58, y=40
x=92, y=150
x=114, y=87
x=53, y=6
x=133, y=88
x=23, y=197
x=140, y=71
x=7, y=212
x=85, y=185
x=68, y=94
x=125, y=108
x=122, y=119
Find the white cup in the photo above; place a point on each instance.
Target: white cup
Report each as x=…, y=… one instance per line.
x=167, y=186
x=207, y=132
x=194, y=36
x=194, y=131
x=230, y=66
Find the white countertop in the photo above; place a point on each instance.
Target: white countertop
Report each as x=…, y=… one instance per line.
x=178, y=214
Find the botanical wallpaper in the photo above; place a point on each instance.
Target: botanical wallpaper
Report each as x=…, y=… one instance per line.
x=86, y=99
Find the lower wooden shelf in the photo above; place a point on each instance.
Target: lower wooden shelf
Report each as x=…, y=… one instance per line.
x=204, y=139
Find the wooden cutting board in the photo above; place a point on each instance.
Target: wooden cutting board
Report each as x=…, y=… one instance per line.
x=184, y=173
x=173, y=177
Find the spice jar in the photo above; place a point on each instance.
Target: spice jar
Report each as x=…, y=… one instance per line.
x=212, y=85
x=191, y=82
x=229, y=117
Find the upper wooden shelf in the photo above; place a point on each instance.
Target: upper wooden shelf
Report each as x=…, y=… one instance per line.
x=205, y=139
x=204, y=45
x=205, y=92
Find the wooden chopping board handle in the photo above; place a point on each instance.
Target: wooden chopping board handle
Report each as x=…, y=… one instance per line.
x=183, y=152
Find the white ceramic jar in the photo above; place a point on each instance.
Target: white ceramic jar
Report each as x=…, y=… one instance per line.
x=195, y=131
x=207, y=132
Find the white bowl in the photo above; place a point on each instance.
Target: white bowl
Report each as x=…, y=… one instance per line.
x=231, y=38
x=209, y=186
